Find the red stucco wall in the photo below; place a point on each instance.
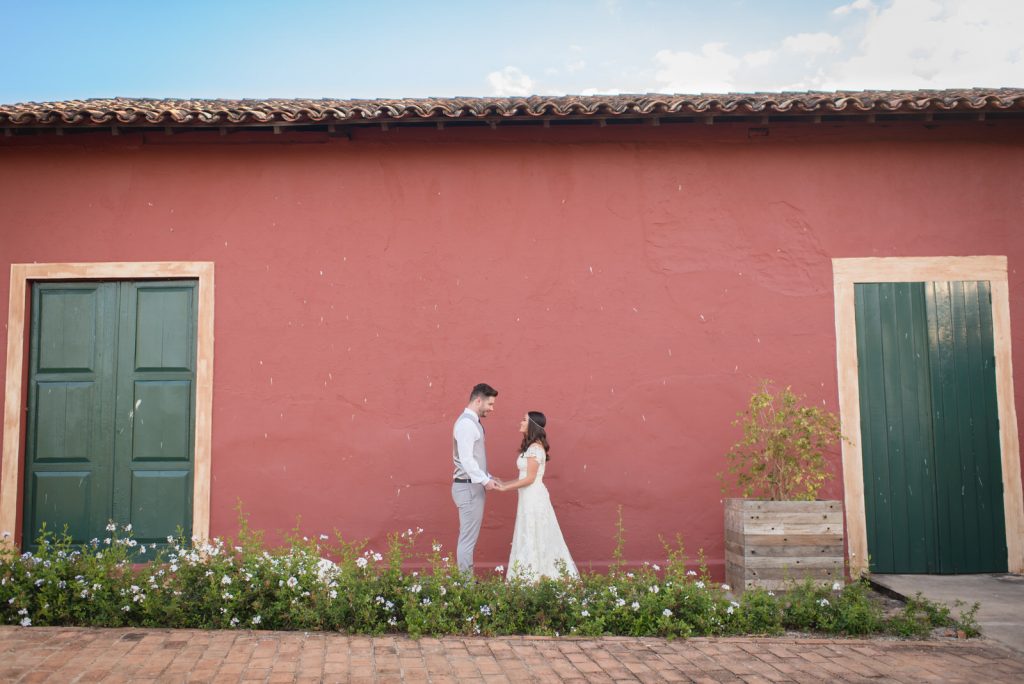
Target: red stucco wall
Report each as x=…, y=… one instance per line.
x=632, y=283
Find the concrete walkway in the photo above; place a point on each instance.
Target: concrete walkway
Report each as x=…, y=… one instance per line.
x=56, y=654
x=1001, y=597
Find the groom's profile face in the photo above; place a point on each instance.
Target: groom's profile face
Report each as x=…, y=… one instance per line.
x=486, y=405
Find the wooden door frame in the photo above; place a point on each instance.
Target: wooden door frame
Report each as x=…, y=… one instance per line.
x=15, y=397
x=845, y=274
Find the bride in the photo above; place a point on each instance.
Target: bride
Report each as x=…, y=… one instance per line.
x=538, y=548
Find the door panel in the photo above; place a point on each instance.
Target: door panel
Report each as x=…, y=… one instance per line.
x=969, y=474
x=156, y=408
x=932, y=472
x=111, y=408
x=896, y=426
x=71, y=365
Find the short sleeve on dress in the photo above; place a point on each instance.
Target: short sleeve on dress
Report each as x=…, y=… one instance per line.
x=534, y=451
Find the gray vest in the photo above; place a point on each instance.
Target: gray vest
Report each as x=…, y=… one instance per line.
x=479, y=452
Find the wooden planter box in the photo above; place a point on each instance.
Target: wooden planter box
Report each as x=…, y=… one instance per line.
x=771, y=544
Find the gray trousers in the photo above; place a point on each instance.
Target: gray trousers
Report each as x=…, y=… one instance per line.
x=469, y=498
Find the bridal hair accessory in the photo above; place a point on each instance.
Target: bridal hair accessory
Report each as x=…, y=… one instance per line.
x=534, y=422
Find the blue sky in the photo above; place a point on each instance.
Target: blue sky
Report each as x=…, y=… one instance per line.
x=305, y=48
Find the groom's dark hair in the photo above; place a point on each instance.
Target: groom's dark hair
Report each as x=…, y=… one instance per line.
x=482, y=390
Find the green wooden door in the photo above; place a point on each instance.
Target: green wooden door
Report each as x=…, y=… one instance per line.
x=929, y=429
x=111, y=408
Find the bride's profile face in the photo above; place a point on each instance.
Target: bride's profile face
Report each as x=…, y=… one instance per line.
x=522, y=425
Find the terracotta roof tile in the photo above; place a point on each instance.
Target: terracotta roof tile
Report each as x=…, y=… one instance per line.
x=126, y=111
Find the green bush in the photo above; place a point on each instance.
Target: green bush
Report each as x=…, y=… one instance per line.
x=242, y=584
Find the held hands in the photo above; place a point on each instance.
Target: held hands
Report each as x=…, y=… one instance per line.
x=497, y=484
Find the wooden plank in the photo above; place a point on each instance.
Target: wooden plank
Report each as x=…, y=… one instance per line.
x=11, y=465
x=795, y=564
x=918, y=269
x=755, y=505
x=794, y=573
x=759, y=540
x=782, y=585
x=836, y=550
x=793, y=528
x=1009, y=441
x=835, y=518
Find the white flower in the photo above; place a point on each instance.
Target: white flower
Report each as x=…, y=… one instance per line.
x=361, y=562
x=126, y=608
x=426, y=601
x=443, y=590
x=324, y=537
x=40, y=582
x=823, y=602
x=379, y=600
x=629, y=575
x=667, y=612
x=500, y=568
x=234, y=622
x=333, y=594
x=227, y=596
x=225, y=580
x=836, y=586
x=415, y=588
x=435, y=546
x=389, y=605
x=635, y=605
x=729, y=610
x=25, y=622
x=170, y=539
x=691, y=573
x=654, y=589
x=486, y=610
x=135, y=589
x=700, y=585
x=107, y=540
x=771, y=593
x=620, y=602
x=174, y=567
x=377, y=557
x=128, y=527
x=585, y=613
x=23, y=611
x=656, y=566
x=257, y=620
x=111, y=527
x=726, y=587
x=392, y=621
x=292, y=582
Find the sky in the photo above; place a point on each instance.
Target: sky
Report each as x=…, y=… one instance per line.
x=68, y=49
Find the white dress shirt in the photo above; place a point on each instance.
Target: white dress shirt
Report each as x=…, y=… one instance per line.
x=467, y=432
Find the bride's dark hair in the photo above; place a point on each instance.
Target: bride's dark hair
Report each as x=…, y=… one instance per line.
x=535, y=433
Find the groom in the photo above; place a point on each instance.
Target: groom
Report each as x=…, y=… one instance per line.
x=471, y=480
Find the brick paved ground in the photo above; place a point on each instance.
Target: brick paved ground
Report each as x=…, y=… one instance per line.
x=55, y=654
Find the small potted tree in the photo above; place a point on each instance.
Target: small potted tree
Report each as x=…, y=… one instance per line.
x=779, y=532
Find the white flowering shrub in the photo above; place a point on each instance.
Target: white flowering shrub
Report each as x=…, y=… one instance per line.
x=334, y=584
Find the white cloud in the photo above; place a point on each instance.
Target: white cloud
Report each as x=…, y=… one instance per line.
x=711, y=71
x=759, y=58
x=811, y=43
x=936, y=44
x=856, y=5
x=510, y=81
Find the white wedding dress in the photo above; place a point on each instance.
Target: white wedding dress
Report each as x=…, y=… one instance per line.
x=538, y=548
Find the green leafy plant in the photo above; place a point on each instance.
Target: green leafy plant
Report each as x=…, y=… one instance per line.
x=327, y=583
x=782, y=454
